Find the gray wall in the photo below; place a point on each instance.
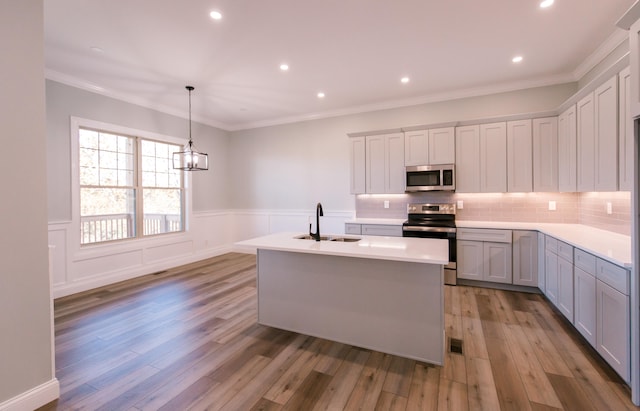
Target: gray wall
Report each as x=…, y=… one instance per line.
x=210, y=188
x=25, y=315
x=294, y=166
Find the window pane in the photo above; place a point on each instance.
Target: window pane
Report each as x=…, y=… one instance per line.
x=162, y=210
x=89, y=176
x=106, y=214
x=88, y=139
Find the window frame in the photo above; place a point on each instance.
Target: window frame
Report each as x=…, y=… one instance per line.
x=77, y=123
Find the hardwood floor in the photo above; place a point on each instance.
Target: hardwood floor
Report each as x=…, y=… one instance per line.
x=187, y=338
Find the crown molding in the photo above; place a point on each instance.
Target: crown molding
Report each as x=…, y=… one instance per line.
x=425, y=99
x=128, y=98
x=617, y=37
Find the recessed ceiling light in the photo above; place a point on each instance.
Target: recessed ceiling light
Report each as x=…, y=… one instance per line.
x=284, y=67
x=546, y=3
x=404, y=80
x=517, y=59
x=216, y=15
x=321, y=95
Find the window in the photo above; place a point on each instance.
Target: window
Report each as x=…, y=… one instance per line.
x=128, y=188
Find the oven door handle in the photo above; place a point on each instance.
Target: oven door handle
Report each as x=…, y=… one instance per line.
x=429, y=229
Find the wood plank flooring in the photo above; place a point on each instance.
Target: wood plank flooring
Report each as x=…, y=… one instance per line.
x=187, y=339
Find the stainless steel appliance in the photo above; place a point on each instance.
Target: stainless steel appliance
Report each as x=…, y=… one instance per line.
x=430, y=178
x=434, y=221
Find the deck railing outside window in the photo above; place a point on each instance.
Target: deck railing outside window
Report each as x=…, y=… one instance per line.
x=98, y=228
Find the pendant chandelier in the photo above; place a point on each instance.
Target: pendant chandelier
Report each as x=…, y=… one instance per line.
x=190, y=159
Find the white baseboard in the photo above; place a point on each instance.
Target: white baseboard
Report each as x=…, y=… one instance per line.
x=34, y=398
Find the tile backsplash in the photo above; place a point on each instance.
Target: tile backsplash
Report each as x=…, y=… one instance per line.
x=573, y=208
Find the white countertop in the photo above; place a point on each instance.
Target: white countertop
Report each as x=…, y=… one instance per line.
x=417, y=250
x=607, y=245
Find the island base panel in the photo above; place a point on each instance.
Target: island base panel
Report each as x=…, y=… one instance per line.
x=389, y=306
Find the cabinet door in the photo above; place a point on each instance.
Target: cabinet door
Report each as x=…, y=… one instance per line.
x=442, y=146
x=541, y=263
x=567, y=134
x=565, y=288
x=394, y=164
x=525, y=258
x=545, y=154
x=357, y=153
x=551, y=276
x=416, y=148
x=585, y=304
x=375, y=164
x=625, y=128
x=519, y=157
x=606, y=136
x=497, y=263
x=634, y=60
x=493, y=158
x=612, y=334
x=468, y=159
x=585, y=144
x=470, y=256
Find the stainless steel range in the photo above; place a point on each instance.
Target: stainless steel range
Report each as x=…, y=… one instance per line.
x=434, y=221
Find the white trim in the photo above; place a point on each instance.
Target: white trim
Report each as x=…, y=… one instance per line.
x=128, y=98
x=430, y=98
x=614, y=40
x=34, y=398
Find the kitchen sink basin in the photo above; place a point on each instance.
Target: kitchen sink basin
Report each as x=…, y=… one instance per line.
x=326, y=238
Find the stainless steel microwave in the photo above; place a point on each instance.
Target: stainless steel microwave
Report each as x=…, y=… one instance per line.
x=430, y=178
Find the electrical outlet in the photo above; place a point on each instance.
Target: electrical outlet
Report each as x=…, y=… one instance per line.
x=386, y=203
x=460, y=204
x=552, y=205
x=609, y=208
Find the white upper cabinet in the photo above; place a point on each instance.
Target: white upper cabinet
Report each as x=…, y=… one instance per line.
x=416, y=148
x=585, y=148
x=567, y=134
x=468, y=159
x=519, y=156
x=606, y=136
x=357, y=153
x=375, y=161
x=493, y=158
x=428, y=147
x=634, y=60
x=442, y=145
x=545, y=154
x=625, y=128
x=385, y=164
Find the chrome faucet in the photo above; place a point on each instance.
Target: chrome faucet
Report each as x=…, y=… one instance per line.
x=319, y=213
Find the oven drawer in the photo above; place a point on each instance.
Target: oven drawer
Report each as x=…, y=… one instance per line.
x=483, y=234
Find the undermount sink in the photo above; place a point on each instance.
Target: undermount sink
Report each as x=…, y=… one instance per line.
x=326, y=238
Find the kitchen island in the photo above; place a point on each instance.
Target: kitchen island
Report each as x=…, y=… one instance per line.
x=381, y=293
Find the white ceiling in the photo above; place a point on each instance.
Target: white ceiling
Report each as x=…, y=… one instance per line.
x=355, y=51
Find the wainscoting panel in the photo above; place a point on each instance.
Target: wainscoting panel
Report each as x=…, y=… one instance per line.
x=210, y=234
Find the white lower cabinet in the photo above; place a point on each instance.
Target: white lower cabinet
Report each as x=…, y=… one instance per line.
x=612, y=332
x=497, y=262
x=470, y=256
x=484, y=255
x=551, y=276
x=585, y=304
x=541, y=262
x=388, y=230
x=584, y=286
x=525, y=258
x=565, y=288
x=594, y=295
